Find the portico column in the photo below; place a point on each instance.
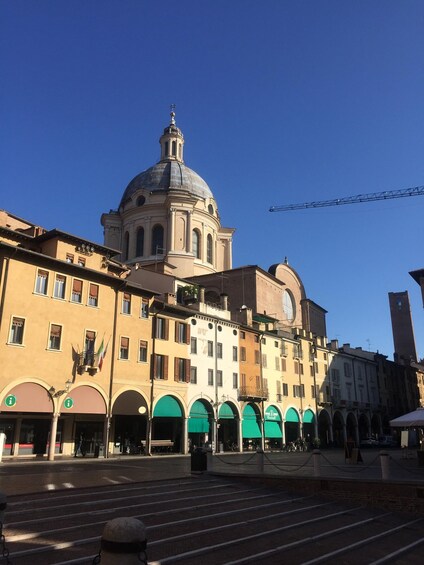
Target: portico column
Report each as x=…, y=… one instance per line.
x=185, y=436
x=53, y=431
x=240, y=434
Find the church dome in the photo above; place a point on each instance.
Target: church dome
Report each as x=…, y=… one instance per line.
x=166, y=176
x=170, y=173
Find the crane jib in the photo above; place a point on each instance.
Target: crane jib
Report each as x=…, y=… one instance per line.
x=370, y=197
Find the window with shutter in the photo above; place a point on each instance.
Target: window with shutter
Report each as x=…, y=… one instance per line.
x=93, y=295
x=76, y=295
x=55, y=337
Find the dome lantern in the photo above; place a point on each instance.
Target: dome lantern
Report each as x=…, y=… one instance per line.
x=172, y=141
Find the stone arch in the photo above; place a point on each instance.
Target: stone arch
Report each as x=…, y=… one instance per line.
x=324, y=428
x=129, y=417
x=338, y=429
x=291, y=425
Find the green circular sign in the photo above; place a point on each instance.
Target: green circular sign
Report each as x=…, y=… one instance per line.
x=68, y=403
x=10, y=400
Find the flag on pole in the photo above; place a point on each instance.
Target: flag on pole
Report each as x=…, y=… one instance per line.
x=102, y=353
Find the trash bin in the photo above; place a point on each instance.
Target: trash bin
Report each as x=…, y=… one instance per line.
x=99, y=450
x=198, y=460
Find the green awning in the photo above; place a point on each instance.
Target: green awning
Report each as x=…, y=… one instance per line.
x=250, y=424
x=272, y=429
x=272, y=414
x=251, y=429
x=198, y=410
x=292, y=415
x=167, y=407
x=198, y=421
x=308, y=417
x=225, y=412
x=198, y=426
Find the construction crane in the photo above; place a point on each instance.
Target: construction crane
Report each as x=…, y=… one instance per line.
x=370, y=197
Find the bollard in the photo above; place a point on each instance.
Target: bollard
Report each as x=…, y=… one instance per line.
x=209, y=459
x=385, y=465
x=260, y=460
x=2, y=442
x=123, y=542
x=317, y=462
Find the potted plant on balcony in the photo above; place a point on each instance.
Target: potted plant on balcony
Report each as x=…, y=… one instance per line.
x=190, y=294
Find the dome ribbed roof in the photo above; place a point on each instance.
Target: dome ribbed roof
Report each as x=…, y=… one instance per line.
x=166, y=176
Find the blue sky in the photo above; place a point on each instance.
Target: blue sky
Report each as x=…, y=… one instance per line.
x=279, y=102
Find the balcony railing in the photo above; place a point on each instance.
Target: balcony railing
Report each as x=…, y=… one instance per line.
x=88, y=361
x=252, y=393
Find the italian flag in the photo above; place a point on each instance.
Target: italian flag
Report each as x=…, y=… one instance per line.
x=102, y=354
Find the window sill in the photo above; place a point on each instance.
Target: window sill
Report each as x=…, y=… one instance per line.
x=15, y=344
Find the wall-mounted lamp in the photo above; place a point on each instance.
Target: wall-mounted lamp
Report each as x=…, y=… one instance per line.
x=57, y=393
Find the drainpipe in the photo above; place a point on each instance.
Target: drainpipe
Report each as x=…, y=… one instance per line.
x=112, y=369
x=262, y=399
x=152, y=384
x=215, y=435
x=315, y=393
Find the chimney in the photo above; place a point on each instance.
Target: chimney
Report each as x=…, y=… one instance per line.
x=224, y=301
x=334, y=345
x=246, y=316
x=202, y=294
x=170, y=298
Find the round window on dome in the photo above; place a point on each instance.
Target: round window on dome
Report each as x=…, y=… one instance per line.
x=141, y=200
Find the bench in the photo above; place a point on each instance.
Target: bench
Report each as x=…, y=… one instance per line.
x=161, y=445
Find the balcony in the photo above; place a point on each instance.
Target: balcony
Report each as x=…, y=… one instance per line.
x=252, y=393
x=88, y=362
